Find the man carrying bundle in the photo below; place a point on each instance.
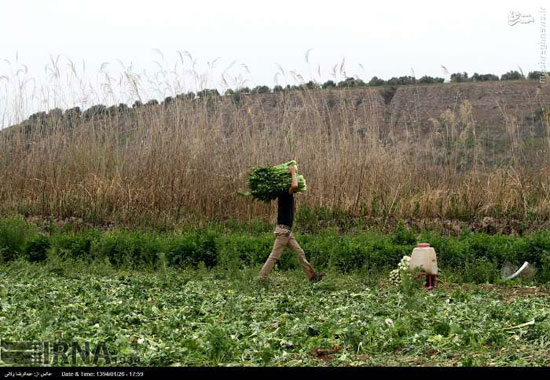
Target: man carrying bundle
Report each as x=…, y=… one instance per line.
x=283, y=233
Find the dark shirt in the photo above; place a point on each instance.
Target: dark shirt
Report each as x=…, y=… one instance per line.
x=286, y=209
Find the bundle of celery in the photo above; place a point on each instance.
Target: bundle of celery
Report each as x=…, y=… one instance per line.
x=268, y=182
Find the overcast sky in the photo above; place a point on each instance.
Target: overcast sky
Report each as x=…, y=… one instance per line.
x=383, y=38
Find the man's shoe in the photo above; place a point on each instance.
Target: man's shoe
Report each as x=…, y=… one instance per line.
x=317, y=277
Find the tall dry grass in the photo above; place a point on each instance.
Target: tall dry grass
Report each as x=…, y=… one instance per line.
x=183, y=162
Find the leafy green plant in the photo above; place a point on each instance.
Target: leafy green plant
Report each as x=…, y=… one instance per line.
x=353, y=337
x=13, y=235
x=219, y=344
x=412, y=281
x=268, y=182
x=403, y=235
x=131, y=249
x=36, y=249
x=237, y=250
x=543, y=274
x=73, y=246
x=481, y=270
x=350, y=255
x=192, y=248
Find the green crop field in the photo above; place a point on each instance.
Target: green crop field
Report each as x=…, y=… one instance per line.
x=191, y=298
x=219, y=317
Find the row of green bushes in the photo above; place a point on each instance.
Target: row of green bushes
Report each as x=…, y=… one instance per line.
x=477, y=256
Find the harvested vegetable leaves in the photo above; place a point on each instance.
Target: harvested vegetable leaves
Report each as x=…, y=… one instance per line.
x=268, y=182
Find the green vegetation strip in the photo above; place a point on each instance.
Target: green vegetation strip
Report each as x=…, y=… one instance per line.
x=469, y=258
x=220, y=317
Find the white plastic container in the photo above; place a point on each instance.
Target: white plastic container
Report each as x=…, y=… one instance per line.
x=423, y=256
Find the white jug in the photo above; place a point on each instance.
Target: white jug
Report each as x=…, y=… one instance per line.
x=423, y=256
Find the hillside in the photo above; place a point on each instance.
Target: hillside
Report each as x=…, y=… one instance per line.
x=464, y=151
x=493, y=104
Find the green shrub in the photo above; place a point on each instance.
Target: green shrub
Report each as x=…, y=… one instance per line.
x=515, y=249
x=329, y=84
x=375, y=81
x=318, y=248
x=451, y=251
x=13, y=235
x=191, y=248
x=535, y=75
x=480, y=271
x=349, y=255
x=181, y=250
x=76, y=247
x=459, y=77
x=470, y=257
x=385, y=254
x=426, y=79
x=403, y=235
x=498, y=248
x=537, y=247
x=512, y=75
x=237, y=250
x=36, y=250
x=543, y=273
x=484, y=77
x=128, y=249
x=208, y=249
x=261, y=90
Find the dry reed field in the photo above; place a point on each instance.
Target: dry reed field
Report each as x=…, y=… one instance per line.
x=182, y=161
